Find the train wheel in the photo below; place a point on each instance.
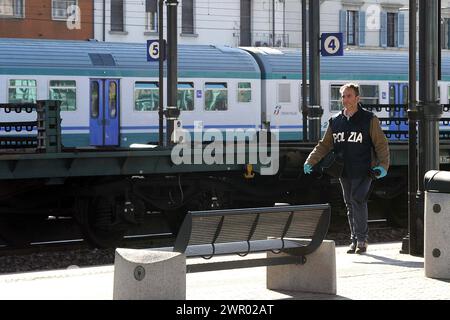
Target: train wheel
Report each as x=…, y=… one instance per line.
x=100, y=222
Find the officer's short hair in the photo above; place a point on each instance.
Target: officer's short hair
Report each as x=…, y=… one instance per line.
x=350, y=85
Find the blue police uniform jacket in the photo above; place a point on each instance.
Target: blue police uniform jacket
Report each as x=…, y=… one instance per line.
x=351, y=139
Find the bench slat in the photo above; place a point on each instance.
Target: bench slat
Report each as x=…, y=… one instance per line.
x=206, y=233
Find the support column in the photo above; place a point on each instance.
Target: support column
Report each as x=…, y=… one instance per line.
x=429, y=109
x=172, y=111
x=304, y=72
x=315, y=111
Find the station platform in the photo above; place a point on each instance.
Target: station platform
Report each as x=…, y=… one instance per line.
x=381, y=274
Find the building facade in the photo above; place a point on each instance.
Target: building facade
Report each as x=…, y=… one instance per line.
x=371, y=24
x=47, y=19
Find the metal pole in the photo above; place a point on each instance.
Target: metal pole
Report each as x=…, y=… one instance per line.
x=304, y=73
x=284, y=23
x=410, y=240
x=439, y=41
x=315, y=110
x=273, y=23
x=162, y=49
x=172, y=75
x=429, y=109
x=104, y=20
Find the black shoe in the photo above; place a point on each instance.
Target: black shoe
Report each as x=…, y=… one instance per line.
x=362, y=247
x=352, y=248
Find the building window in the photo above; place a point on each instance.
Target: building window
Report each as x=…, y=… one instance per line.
x=216, y=96
x=244, y=92
x=185, y=99
x=146, y=96
x=392, y=23
x=152, y=21
x=151, y=11
x=352, y=27
x=66, y=92
x=284, y=93
x=59, y=8
x=22, y=91
x=117, y=15
x=12, y=8
x=187, y=16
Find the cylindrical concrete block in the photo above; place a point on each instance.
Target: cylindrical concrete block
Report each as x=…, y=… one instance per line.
x=437, y=235
x=149, y=275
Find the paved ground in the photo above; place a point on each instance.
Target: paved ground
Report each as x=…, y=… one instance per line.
x=382, y=273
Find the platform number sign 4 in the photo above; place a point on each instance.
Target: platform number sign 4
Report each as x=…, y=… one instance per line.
x=332, y=44
x=153, y=50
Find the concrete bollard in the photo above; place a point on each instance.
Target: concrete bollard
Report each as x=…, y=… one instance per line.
x=317, y=275
x=149, y=275
x=437, y=235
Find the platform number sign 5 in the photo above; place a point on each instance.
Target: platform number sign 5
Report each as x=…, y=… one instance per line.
x=153, y=50
x=332, y=44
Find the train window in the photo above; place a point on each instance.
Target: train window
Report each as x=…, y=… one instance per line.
x=405, y=94
x=369, y=94
x=335, y=97
x=284, y=93
x=146, y=96
x=244, y=92
x=185, y=99
x=216, y=96
x=22, y=91
x=95, y=99
x=66, y=92
x=112, y=99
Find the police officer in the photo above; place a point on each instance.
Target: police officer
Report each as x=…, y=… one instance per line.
x=356, y=134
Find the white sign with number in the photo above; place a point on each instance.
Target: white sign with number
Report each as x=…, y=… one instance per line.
x=332, y=45
x=153, y=50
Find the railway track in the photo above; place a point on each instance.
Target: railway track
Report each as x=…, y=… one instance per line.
x=64, y=234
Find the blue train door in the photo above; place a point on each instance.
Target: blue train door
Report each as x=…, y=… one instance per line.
x=398, y=94
x=104, y=112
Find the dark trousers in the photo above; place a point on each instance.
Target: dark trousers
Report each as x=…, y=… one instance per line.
x=356, y=194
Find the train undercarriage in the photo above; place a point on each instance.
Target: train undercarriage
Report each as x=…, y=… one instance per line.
x=106, y=207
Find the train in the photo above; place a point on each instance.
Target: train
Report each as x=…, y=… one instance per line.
x=110, y=92
x=108, y=97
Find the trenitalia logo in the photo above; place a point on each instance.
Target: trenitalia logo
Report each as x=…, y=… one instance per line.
x=212, y=146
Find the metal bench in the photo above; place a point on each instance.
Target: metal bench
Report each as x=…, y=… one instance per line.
x=298, y=230
x=290, y=235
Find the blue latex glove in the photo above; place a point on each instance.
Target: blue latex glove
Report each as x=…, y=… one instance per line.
x=307, y=168
x=380, y=172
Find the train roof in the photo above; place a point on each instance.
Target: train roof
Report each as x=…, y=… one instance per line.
x=354, y=65
x=92, y=58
